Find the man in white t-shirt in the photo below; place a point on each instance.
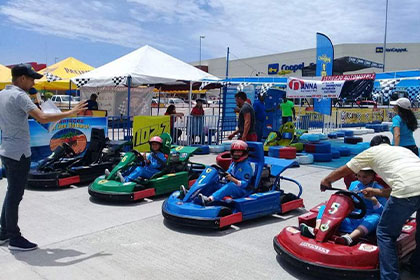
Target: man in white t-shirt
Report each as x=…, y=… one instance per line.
x=400, y=169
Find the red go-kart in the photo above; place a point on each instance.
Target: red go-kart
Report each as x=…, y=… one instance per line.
x=321, y=256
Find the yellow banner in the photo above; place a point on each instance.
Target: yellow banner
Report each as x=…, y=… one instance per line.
x=145, y=128
x=354, y=115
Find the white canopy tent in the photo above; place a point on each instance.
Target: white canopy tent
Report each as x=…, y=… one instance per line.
x=145, y=65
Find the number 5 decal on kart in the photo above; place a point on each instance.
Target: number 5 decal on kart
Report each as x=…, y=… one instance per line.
x=334, y=208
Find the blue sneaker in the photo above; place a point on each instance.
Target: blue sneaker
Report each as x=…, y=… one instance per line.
x=21, y=244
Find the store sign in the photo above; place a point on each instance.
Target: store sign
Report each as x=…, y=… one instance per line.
x=299, y=88
x=275, y=68
x=397, y=50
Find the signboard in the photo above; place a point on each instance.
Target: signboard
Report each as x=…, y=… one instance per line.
x=74, y=131
x=145, y=127
x=299, y=88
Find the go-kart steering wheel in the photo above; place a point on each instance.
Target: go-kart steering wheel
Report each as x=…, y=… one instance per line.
x=139, y=157
x=358, y=204
x=220, y=170
x=68, y=149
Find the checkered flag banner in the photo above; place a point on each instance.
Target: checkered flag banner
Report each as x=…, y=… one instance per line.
x=387, y=87
x=241, y=86
x=81, y=82
x=123, y=107
x=204, y=84
x=52, y=78
x=118, y=80
x=265, y=87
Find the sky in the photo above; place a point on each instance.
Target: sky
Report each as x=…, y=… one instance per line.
x=97, y=32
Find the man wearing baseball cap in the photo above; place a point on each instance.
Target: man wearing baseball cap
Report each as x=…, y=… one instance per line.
x=399, y=168
x=15, y=150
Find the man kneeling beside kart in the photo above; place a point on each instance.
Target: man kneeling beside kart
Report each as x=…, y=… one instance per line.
x=238, y=176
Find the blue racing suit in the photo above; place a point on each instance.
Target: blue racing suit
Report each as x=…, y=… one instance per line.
x=241, y=171
x=373, y=213
x=157, y=162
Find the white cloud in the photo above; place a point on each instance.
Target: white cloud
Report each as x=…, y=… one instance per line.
x=249, y=27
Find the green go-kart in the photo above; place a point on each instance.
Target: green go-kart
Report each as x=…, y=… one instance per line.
x=287, y=135
x=178, y=171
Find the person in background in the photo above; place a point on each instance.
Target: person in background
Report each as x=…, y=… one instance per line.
x=246, y=119
x=34, y=96
x=197, y=121
x=287, y=110
x=260, y=115
x=399, y=167
x=92, y=104
x=403, y=125
x=15, y=148
x=175, y=132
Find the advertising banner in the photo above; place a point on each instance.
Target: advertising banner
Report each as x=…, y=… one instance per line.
x=348, y=87
x=324, y=67
x=74, y=131
x=145, y=128
x=114, y=99
x=299, y=88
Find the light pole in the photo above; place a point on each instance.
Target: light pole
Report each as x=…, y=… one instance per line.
x=201, y=37
x=386, y=23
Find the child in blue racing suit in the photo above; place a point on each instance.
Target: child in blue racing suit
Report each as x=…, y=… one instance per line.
x=356, y=228
x=154, y=162
x=239, y=175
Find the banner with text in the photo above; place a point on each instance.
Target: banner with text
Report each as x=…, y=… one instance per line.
x=145, y=128
x=315, y=88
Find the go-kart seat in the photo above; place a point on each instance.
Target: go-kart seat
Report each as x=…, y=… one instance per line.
x=97, y=143
x=256, y=158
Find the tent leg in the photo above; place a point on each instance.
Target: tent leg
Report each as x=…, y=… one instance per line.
x=128, y=105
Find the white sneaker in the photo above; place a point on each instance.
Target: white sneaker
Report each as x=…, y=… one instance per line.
x=121, y=177
x=107, y=172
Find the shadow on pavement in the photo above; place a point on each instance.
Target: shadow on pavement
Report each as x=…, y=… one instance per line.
x=266, y=220
x=54, y=257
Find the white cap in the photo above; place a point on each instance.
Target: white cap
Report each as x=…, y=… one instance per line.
x=402, y=102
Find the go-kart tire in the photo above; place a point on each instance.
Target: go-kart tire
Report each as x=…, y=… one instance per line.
x=359, y=131
x=352, y=140
x=332, y=135
x=323, y=136
x=298, y=146
x=385, y=127
x=313, y=137
x=304, y=158
x=274, y=151
x=202, y=150
x=348, y=133
x=369, y=130
x=340, y=134
x=227, y=145
x=323, y=147
x=224, y=160
x=217, y=149
x=287, y=153
x=322, y=157
x=344, y=151
x=335, y=153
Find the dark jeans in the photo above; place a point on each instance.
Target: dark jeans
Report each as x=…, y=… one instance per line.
x=285, y=119
x=413, y=148
x=17, y=176
x=396, y=212
x=259, y=129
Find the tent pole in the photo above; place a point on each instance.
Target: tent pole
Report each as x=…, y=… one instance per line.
x=190, y=94
x=69, y=94
x=160, y=88
x=128, y=102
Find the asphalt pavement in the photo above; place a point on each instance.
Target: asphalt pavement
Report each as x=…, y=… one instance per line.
x=80, y=238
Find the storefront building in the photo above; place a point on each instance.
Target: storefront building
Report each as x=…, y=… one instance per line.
x=348, y=59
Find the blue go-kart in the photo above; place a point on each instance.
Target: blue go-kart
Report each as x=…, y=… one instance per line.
x=265, y=198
